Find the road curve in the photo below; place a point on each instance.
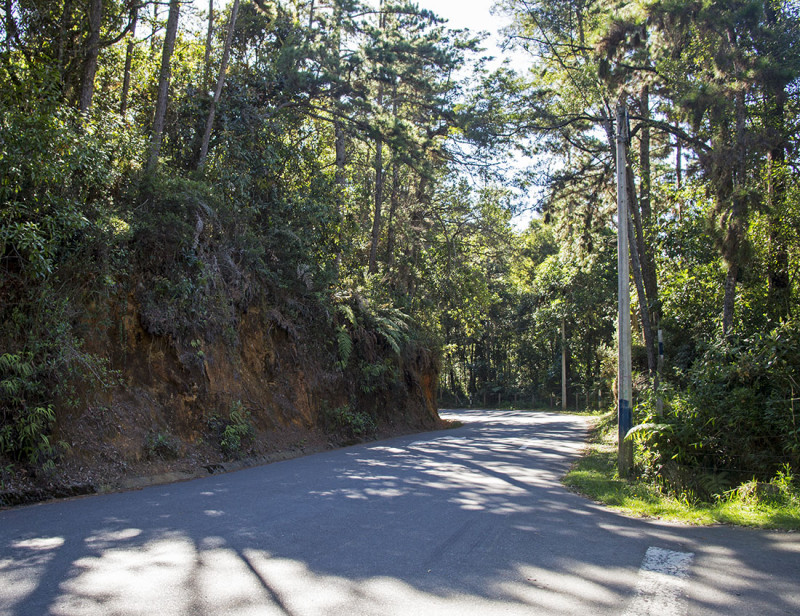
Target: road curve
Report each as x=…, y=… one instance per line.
x=470, y=521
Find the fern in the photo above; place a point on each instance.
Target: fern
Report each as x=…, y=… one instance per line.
x=15, y=364
x=393, y=330
x=646, y=430
x=345, y=344
x=348, y=313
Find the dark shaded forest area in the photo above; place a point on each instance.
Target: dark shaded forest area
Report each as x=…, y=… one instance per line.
x=226, y=228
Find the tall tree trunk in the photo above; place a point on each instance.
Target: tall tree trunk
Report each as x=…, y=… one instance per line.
x=154, y=30
x=729, y=299
x=735, y=227
x=340, y=144
x=378, y=205
x=62, y=35
x=637, y=249
x=779, y=282
x=11, y=26
x=394, y=197
x=644, y=155
x=340, y=179
x=126, y=79
x=91, y=54
x=649, y=273
x=207, y=52
x=218, y=90
x=163, y=86
x=638, y=279
x=394, y=202
x=417, y=220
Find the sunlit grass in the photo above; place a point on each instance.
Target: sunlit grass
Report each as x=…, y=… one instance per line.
x=595, y=476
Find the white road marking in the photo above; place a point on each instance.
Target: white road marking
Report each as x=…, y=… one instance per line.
x=660, y=589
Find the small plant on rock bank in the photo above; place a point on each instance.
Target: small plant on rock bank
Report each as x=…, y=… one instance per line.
x=234, y=434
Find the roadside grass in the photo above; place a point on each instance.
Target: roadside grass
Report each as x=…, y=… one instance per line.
x=595, y=476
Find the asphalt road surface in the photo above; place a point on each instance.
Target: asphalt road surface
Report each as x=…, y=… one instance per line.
x=470, y=521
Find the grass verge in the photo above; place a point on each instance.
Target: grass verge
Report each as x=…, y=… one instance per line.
x=595, y=476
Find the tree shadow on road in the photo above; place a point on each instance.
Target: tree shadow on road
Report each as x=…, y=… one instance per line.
x=465, y=521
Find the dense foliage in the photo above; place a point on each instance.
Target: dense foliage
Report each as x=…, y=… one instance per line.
x=194, y=165
x=710, y=91
x=332, y=160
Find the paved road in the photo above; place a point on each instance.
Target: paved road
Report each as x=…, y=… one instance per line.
x=466, y=522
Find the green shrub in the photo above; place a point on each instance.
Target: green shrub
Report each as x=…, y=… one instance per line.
x=735, y=420
x=234, y=434
x=344, y=419
x=161, y=445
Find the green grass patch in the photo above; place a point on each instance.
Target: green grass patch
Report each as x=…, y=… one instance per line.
x=772, y=505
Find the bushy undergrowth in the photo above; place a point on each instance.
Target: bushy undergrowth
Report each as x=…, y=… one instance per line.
x=350, y=423
x=774, y=503
x=81, y=229
x=162, y=445
x=235, y=433
x=736, y=417
x=61, y=176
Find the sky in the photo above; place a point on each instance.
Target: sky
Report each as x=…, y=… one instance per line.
x=477, y=16
x=473, y=14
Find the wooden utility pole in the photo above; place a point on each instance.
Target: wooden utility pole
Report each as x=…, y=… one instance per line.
x=624, y=379
x=563, y=366
x=659, y=398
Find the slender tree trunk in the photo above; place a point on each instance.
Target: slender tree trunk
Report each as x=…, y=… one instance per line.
x=735, y=228
x=91, y=55
x=644, y=155
x=728, y=302
x=779, y=294
x=10, y=28
x=340, y=143
x=376, y=217
x=779, y=282
x=340, y=179
x=394, y=197
x=220, y=84
x=378, y=204
x=647, y=330
x=163, y=86
x=310, y=15
x=416, y=222
x=62, y=35
x=647, y=220
x=394, y=202
x=207, y=52
x=126, y=79
x=155, y=29
x=638, y=248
